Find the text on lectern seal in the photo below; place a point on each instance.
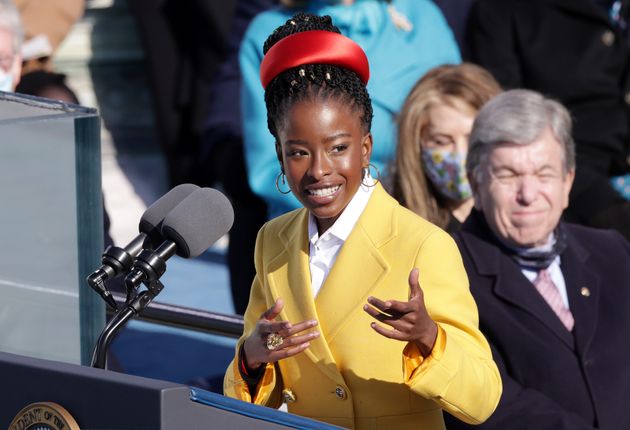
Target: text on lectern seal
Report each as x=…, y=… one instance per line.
x=44, y=416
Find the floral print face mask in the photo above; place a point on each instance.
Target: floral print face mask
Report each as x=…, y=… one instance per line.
x=447, y=173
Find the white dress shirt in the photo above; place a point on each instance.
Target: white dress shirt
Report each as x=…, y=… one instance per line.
x=323, y=250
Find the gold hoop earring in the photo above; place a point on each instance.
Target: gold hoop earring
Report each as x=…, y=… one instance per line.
x=366, y=171
x=281, y=174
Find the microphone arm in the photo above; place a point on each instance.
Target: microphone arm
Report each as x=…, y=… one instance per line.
x=97, y=281
x=118, y=321
x=115, y=260
x=149, y=266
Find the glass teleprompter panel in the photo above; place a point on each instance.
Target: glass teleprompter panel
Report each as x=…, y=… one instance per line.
x=50, y=228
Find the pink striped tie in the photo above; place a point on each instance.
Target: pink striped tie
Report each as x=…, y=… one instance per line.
x=550, y=293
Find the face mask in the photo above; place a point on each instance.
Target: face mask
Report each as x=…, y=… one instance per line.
x=446, y=172
x=6, y=81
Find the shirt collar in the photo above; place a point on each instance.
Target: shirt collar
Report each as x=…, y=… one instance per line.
x=345, y=223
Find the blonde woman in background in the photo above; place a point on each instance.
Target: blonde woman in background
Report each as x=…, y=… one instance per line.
x=429, y=176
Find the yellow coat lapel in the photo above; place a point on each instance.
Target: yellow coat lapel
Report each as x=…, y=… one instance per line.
x=360, y=266
x=292, y=263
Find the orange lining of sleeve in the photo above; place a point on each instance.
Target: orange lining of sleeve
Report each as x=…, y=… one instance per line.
x=412, y=359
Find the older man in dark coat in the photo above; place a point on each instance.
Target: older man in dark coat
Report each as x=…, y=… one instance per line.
x=554, y=298
x=577, y=51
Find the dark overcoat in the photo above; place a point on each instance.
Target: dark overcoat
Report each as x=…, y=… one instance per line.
x=554, y=379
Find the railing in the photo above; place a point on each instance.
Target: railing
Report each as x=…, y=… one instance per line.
x=188, y=318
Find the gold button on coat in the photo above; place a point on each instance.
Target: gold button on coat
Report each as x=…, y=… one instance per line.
x=288, y=395
x=608, y=38
x=340, y=393
x=585, y=292
x=626, y=97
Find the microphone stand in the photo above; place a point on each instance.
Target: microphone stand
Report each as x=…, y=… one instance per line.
x=148, y=267
x=133, y=307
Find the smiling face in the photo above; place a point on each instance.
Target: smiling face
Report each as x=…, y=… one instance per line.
x=524, y=190
x=323, y=149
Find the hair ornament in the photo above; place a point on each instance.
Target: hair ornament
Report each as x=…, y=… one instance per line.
x=302, y=73
x=314, y=47
x=328, y=76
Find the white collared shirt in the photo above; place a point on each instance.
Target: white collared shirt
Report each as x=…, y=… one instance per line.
x=323, y=250
x=556, y=276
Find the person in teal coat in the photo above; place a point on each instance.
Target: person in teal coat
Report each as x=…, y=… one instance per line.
x=402, y=39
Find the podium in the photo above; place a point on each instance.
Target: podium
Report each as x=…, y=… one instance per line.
x=99, y=399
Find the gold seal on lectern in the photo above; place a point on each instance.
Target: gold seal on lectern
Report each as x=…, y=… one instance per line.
x=44, y=416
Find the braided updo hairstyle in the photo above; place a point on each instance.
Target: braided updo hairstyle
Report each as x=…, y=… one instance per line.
x=311, y=81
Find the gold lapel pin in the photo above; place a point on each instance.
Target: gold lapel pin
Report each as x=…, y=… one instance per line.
x=288, y=395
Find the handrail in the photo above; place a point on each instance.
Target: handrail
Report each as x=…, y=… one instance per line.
x=187, y=318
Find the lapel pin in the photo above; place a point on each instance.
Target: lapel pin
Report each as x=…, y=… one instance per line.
x=288, y=395
x=585, y=292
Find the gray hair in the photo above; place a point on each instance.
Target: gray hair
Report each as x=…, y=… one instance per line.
x=518, y=117
x=10, y=21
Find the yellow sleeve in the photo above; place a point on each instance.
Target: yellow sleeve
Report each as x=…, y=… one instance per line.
x=268, y=391
x=235, y=386
x=461, y=365
x=412, y=359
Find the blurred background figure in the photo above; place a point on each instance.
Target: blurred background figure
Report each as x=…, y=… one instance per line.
x=183, y=42
x=578, y=52
x=46, y=24
x=402, y=39
x=51, y=85
x=222, y=159
x=195, y=84
x=456, y=13
x=429, y=175
x=11, y=37
x=43, y=25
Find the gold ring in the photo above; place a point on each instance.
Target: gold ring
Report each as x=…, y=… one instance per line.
x=274, y=340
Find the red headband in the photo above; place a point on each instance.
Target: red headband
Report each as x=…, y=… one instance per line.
x=314, y=47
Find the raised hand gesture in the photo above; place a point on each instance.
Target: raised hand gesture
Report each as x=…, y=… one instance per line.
x=274, y=340
x=409, y=321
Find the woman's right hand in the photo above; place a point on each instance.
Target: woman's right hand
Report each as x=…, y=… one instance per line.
x=294, y=339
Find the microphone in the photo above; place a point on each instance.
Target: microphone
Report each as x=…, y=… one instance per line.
x=189, y=229
x=117, y=260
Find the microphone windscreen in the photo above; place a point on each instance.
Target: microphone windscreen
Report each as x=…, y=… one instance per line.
x=198, y=221
x=151, y=221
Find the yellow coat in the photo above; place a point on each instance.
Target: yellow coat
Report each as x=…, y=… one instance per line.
x=351, y=376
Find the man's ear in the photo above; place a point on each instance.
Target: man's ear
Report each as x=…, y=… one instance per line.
x=279, y=155
x=366, y=150
x=474, y=186
x=567, y=183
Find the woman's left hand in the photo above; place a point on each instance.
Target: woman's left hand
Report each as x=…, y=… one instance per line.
x=410, y=320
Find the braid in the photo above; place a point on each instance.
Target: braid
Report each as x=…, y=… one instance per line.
x=322, y=81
